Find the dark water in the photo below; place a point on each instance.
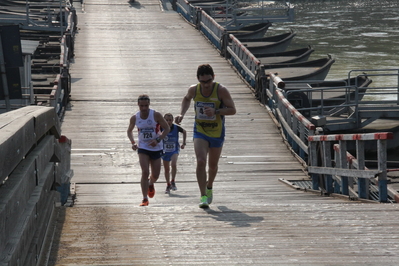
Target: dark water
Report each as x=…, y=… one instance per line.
x=358, y=34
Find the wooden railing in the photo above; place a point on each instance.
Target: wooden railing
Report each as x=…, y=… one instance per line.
x=34, y=167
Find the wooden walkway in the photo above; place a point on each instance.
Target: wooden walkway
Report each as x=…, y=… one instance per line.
x=123, y=50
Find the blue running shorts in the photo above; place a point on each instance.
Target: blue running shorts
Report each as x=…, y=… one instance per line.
x=213, y=142
x=168, y=156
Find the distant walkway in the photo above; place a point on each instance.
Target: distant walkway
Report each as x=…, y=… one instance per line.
x=123, y=50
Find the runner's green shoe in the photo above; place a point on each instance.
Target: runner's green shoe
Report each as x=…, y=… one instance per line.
x=204, y=202
x=209, y=194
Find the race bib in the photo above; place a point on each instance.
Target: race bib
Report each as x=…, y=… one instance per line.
x=200, y=111
x=147, y=133
x=170, y=146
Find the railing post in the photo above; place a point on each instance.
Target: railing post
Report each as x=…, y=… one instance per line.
x=224, y=43
x=261, y=87
x=337, y=185
x=344, y=165
x=397, y=98
x=291, y=14
x=302, y=136
x=313, y=162
x=382, y=167
x=198, y=17
x=327, y=163
x=362, y=183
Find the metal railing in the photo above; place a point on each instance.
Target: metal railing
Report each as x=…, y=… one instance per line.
x=344, y=174
x=243, y=60
x=357, y=106
x=188, y=11
x=232, y=16
x=296, y=127
x=59, y=95
x=45, y=16
x=212, y=30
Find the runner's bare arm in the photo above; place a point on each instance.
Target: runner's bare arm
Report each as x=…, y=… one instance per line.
x=229, y=106
x=185, y=104
x=184, y=138
x=162, y=122
x=132, y=124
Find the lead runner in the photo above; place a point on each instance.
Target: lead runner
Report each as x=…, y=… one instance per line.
x=212, y=102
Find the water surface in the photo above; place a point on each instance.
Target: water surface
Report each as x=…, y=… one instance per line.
x=361, y=34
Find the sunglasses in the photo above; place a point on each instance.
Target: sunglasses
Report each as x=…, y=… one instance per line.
x=206, y=81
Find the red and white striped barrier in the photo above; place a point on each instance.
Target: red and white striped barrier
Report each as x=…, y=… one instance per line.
x=366, y=136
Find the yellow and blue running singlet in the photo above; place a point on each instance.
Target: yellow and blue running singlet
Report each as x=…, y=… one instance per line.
x=211, y=126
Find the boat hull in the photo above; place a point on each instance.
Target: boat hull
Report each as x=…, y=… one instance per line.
x=309, y=70
x=292, y=56
x=249, y=32
x=273, y=44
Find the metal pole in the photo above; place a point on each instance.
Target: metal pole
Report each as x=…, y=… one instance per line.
x=382, y=167
x=61, y=19
x=397, y=89
x=4, y=78
x=27, y=13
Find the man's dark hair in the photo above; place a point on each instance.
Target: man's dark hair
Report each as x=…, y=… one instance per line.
x=143, y=97
x=204, y=69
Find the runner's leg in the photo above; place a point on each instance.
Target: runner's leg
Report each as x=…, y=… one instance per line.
x=167, y=171
x=174, y=165
x=155, y=170
x=201, y=152
x=214, y=155
x=145, y=172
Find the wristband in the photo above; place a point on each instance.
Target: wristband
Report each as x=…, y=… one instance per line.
x=158, y=140
x=217, y=111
